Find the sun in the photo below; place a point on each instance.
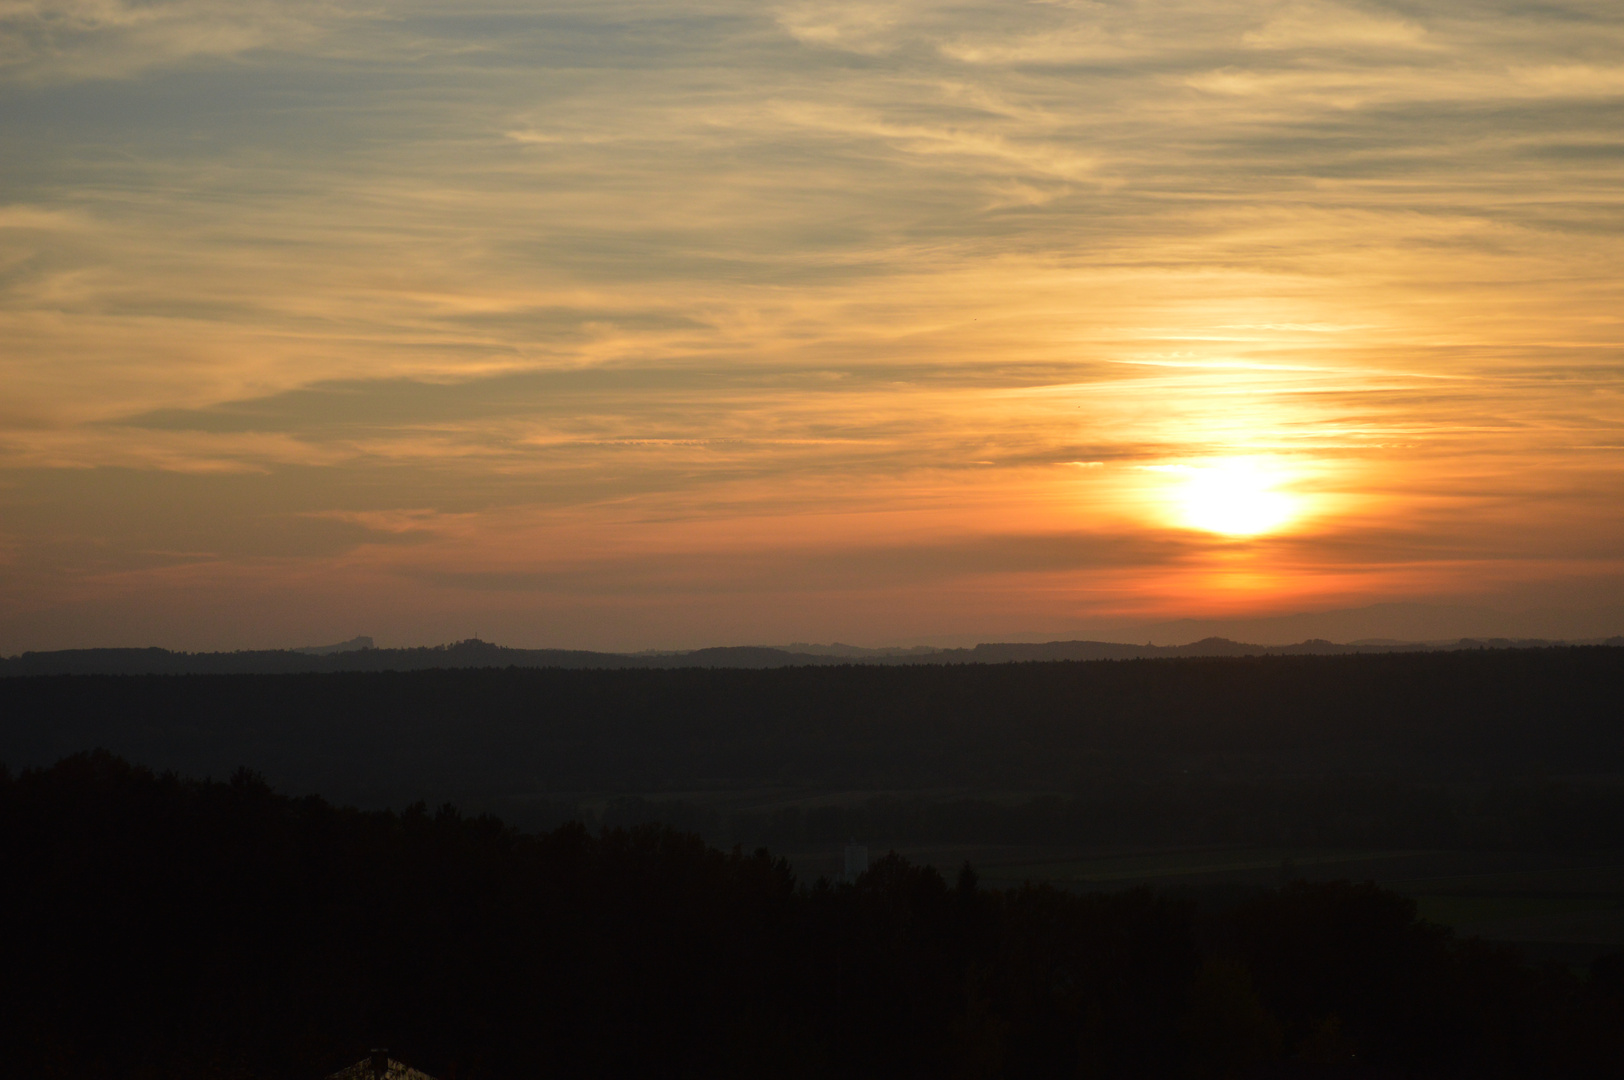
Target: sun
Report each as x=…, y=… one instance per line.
x=1233, y=497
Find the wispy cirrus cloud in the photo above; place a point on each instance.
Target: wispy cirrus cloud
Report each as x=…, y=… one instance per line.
x=55, y=41
x=760, y=285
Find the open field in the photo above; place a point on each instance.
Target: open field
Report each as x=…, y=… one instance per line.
x=1567, y=908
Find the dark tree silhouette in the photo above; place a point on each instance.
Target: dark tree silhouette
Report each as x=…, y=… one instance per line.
x=160, y=927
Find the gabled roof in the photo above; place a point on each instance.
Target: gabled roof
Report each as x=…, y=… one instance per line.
x=362, y=1070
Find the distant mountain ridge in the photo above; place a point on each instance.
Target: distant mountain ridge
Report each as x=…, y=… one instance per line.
x=473, y=653
x=1389, y=621
x=355, y=644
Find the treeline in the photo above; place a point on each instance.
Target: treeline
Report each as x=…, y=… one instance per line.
x=478, y=735
x=158, y=927
x=1334, y=812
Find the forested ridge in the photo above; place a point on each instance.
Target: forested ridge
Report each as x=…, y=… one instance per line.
x=1442, y=749
x=161, y=927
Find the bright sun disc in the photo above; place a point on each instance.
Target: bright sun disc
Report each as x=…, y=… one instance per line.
x=1236, y=497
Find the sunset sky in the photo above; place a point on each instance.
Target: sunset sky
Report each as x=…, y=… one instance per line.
x=628, y=325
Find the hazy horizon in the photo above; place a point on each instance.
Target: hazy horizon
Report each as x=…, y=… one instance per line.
x=1402, y=623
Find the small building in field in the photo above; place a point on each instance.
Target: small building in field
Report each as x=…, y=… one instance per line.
x=379, y=1066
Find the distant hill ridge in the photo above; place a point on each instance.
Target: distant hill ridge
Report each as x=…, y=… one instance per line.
x=358, y=655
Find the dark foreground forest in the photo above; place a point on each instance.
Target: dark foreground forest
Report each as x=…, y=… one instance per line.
x=159, y=927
